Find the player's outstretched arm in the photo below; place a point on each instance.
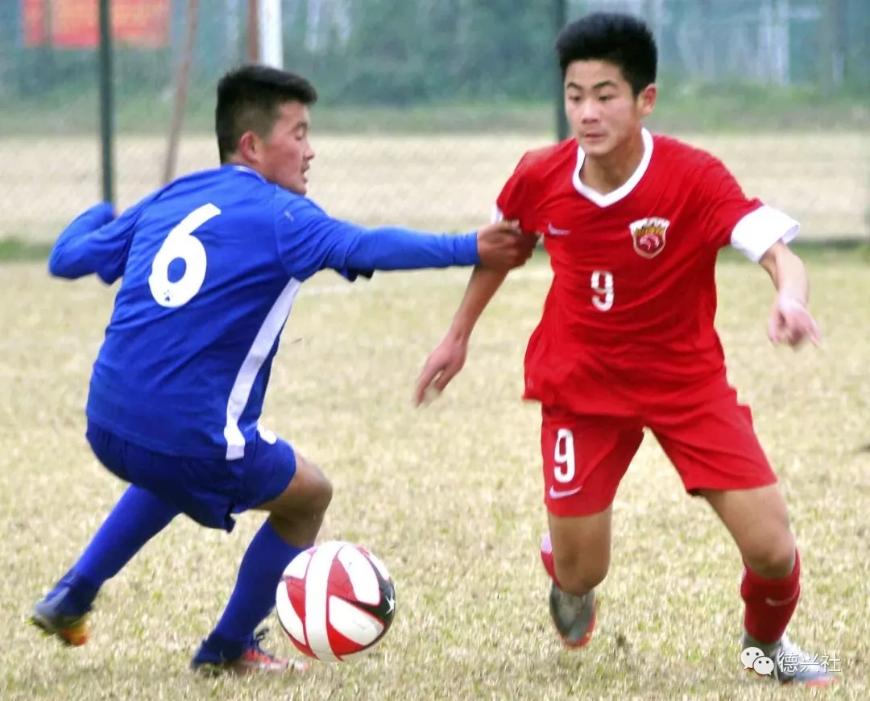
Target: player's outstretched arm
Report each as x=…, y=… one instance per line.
x=500, y=246
x=448, y=357
x=790, y=321
x=310, y=240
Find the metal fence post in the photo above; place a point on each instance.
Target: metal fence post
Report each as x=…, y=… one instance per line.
x=107, y=113
x=559, y=15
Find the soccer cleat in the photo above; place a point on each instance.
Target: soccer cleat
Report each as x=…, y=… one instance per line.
x=791, y=665
x=49, y=615
x=573, y=616
x=253, y=660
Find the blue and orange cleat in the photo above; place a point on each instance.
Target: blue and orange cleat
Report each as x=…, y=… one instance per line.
x=54, y=616
x=253, y=660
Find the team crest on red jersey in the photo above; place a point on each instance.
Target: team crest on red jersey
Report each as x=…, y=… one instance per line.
x=648, y=236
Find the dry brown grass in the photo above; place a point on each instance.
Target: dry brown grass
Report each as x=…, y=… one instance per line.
x=435, y=182
x=448, y=496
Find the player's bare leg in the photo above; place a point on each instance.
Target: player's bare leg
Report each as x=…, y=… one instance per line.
x=758, y=521
x=576, y=556
x=295, y=517
x=297, y=513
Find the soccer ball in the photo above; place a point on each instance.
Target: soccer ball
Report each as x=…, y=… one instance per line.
x=335, y=600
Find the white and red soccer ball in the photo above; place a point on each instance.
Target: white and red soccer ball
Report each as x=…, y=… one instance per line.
x=335, y=600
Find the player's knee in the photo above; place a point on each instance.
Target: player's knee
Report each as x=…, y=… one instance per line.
x=321, y=494
x=772, y=558
x=306, y=498
x=316, y=490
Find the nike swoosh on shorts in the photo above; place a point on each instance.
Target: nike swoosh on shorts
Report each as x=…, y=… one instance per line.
x=561, y=494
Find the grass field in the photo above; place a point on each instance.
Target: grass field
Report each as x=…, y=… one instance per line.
x=441, y=182
x=449, y=496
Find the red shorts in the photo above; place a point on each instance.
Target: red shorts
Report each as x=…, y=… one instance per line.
x=712, y=446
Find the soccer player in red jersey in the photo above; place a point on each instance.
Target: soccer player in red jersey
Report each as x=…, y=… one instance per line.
x=633, y=224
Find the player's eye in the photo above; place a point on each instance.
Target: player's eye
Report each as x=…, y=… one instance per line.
x=605, y=98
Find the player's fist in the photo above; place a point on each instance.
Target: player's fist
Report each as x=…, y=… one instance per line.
x=791, y=323
x=503, y=245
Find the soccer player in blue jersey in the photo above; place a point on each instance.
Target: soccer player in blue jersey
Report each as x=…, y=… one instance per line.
x=211, y=265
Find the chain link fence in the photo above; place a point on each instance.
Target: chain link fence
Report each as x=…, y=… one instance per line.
x=426, y=105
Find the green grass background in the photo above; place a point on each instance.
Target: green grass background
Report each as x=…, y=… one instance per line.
x=449, y=497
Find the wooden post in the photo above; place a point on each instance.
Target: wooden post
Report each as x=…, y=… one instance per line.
x=253, y=31
x=182, y=79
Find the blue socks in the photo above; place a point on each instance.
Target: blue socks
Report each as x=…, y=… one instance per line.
x=138, y=516
x=253, y=596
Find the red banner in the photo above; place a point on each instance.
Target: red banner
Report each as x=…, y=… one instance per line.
x=75, y=24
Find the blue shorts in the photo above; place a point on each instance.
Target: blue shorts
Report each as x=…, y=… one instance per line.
x=207, y=490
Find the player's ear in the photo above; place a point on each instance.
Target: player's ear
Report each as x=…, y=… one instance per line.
x=249, y=147
x=646, y=100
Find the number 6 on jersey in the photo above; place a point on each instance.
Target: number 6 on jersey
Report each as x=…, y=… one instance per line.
x=181, y=244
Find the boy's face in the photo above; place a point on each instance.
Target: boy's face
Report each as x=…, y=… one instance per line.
x=284, y=156
x=601, y=109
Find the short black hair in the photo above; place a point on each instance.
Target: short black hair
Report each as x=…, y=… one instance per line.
x=248, y=98
x=622, y=40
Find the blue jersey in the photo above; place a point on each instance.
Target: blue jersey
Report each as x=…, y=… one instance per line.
x=211, y=265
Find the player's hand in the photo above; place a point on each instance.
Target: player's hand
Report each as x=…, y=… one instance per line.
x=104, y=212
x=503, y=245
x=441, y=366
x=791, y=323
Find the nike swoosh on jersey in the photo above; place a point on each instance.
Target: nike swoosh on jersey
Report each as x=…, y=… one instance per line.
x=553, y=231
x=561, y=494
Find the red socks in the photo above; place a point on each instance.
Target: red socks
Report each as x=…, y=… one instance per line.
x=770, y=603
x=547, y=557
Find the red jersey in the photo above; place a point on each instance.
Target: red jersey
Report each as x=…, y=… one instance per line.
x=628, y=320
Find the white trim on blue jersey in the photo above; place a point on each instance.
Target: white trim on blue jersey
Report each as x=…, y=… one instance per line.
x=263, y=342
x=185, y=362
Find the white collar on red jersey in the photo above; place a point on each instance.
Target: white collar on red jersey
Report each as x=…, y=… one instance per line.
x=622, y=190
